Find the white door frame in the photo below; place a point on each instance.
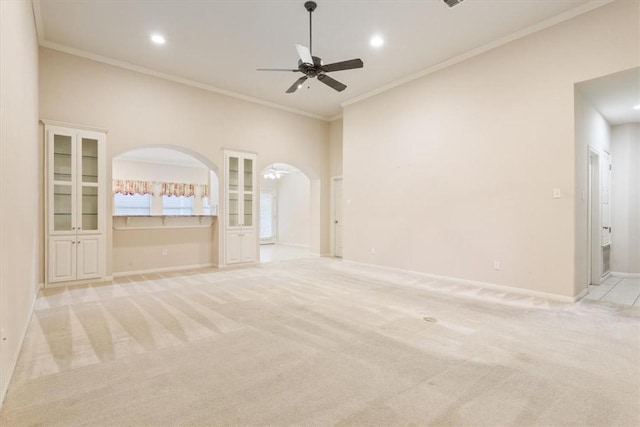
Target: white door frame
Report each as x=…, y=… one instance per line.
x=594, y=259
x=332, y=208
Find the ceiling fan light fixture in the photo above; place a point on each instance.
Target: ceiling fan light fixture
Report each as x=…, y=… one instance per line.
x=376, y=41
x=158, y=39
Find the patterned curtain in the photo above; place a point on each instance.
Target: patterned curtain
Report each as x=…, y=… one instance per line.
x=204, y=190
x=178, y=189
x=132, y=187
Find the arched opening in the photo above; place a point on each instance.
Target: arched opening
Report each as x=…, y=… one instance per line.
x=285, y=213
x=165, y=204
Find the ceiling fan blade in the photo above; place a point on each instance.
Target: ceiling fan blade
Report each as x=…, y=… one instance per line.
x=304, y=54
x=343, y=65
x=276, y=69
x=332, y=82
x=297, y=84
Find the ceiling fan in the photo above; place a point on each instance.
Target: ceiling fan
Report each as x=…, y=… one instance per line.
x=312, y=66
x=274, y=173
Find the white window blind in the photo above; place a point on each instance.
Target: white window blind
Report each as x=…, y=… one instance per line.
x=132, y=204
x=172, y=205
x=266, y=216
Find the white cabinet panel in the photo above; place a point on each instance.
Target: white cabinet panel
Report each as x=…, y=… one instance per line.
x=62, y=259
x=241, y=244
x=75, y=203
x=89, y=255
x=234, y=247
x=249, y=246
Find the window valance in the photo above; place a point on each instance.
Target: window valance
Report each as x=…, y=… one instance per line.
x=132, y=187
x=178, y=189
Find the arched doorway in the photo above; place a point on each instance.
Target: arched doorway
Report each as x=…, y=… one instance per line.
x=285, y=213
x=165, y=203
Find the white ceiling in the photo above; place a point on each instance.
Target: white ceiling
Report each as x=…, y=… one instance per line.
x=219, y=44
x=615, y=95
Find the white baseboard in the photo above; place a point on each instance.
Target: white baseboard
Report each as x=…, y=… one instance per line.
x=581, y=295
x=486, y=285
x=627, y=275
x=164, y=269
x=21, y=336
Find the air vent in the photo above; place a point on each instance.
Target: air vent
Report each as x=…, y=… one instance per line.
x=452, y=3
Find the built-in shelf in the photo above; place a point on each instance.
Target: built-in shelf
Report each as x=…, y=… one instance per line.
x=155, y=222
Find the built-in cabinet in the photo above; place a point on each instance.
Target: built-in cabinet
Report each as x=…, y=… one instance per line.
x=75, y=205
x=240, y=214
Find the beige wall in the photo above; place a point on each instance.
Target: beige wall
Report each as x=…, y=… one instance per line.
x=294, y=210
x=140, y=110
x=592, y=133
x=21, y=177
x=455, y=170
x=147, y=171
x=625, y=199
x=335, y=148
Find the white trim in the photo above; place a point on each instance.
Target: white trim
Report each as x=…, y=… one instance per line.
x=334, y=118
x=627, y=275
x=486, y=285
x=581, y=295
x=37, y=16
x=332, y=215
x=48, y=122
x=73, y=283
x=21, y=336
x=164, y=269
x=176, y=79
x=594, y=4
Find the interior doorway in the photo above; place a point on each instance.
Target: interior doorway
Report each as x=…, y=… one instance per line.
x=285, y=213
x=336, y=217
x=595, y=248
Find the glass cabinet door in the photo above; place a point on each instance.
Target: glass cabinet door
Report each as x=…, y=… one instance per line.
x=88, y=197
x=62, y=169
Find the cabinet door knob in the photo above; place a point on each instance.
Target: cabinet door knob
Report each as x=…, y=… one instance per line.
x=79, y=242
x=73, y=228
x=73, y=243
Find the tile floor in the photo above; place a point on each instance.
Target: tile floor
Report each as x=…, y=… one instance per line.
x=617, y=290
x=280, y=252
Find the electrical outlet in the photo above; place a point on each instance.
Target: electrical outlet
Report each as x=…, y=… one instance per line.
x=165, y=251
x=557, y=193
x=496, y=265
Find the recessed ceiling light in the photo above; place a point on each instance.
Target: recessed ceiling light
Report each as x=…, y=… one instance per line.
x=158, y=39
x=377, y=41
x=636, y=107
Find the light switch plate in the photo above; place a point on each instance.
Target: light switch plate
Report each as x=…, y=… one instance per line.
x=556, y=193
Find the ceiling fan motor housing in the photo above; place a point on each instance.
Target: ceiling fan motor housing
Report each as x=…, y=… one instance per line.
x=310, y=6
x=310, y=71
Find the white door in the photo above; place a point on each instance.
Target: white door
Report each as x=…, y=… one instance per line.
x=267, y=217
x=62, y=258
x=606, y=199
x=88, y=262
x=594, y=221
x=337, y=217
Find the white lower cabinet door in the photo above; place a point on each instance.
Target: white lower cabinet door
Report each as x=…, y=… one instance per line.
x=249, y=246
x=89, y=257
x=62, y=258
x=234, y=247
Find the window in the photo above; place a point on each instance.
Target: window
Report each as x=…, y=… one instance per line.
x=172, y=205
x=131, y=204
x=267, y=217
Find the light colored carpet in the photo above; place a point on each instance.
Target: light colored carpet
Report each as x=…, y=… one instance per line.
x=321, y=342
